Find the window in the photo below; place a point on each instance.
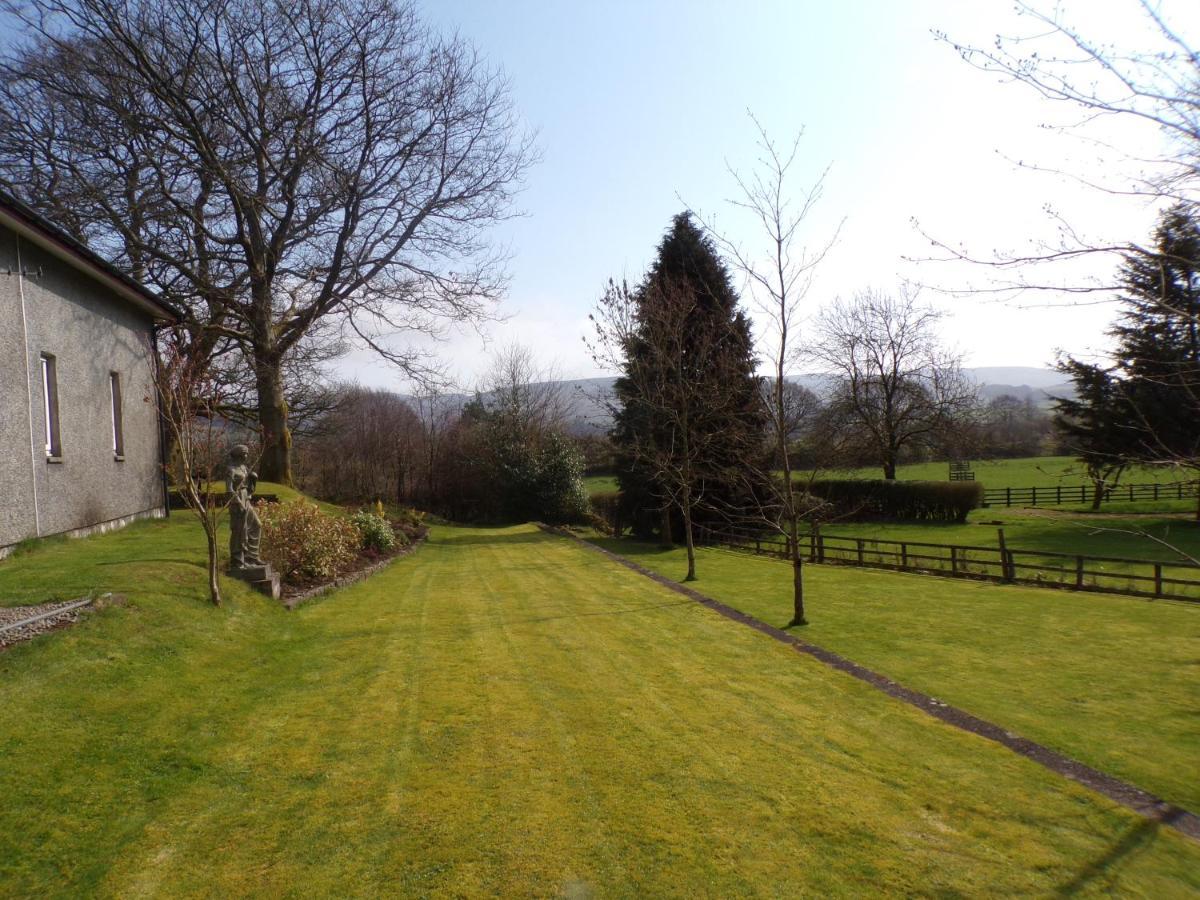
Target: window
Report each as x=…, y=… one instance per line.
x=50, y=407
x=118, y=428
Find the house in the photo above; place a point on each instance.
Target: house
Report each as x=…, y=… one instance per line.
x=80, y=438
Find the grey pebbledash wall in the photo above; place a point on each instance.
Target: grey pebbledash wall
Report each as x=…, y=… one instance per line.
x=91, y=331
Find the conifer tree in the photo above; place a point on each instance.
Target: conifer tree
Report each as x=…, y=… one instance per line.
x=1146, y=407
x=1158, y=341
x=721, y=368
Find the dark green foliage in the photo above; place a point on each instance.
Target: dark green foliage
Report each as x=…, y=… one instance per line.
x=1095, y=423
x=916, y=501
x=1145, y=408
x=507, y=471
x=1158, y=340
x=687, y=261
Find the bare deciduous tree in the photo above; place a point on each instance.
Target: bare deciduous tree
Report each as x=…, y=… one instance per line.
x=528, y=399
x=896, y=386
x=364, y=448
x=268, y=166
x=1157, y=85
x=779, y=276
x=189, y=400
x=677, y=385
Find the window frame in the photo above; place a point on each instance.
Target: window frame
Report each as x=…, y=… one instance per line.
x=118, y=417
x=50, y=407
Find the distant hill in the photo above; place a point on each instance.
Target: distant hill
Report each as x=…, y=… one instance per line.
x=589, y=415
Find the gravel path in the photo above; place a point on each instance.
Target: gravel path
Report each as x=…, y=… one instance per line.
x=45, y=616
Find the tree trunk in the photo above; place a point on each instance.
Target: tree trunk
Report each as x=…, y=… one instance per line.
x=889, y=468
x=689, y=540
x=1097, y=493
x=276, y=461
x=664, y=536
x=214, y=587
x=797, y=575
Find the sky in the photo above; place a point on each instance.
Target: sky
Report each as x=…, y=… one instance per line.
x=641, y=109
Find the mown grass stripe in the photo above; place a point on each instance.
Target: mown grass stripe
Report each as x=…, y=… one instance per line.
x=1128, y=795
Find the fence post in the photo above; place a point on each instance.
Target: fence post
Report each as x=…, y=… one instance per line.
x=1008, y=496
x=859, y=542
x=1131, y=493
x=1079, y=573
x=1004, y=573
x=1033, y=502
x=953, y=560
x=1156, y=490
x=757, y=547
x=1058, y=495
x=903, y=555
x=820, y=547
x=1158, y=591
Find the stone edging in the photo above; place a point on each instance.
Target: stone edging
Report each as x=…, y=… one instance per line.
x=70, y=606
x=342, y=581
x=1122, y=792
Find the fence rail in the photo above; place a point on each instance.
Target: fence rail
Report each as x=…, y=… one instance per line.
x=1103, y=574
x=1060, y=495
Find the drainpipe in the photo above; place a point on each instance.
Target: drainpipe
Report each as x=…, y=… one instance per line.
x=37, y=520
x=162, y=422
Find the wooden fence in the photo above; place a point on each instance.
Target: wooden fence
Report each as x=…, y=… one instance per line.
x=1061, y=495
x=1104, y=574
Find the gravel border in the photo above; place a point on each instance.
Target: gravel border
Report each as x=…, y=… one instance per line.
x=20, y=623
x=342, y=581
x=1122, y=792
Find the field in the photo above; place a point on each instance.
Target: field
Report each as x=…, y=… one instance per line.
x=1034, y=471
x=507, y=713
x=1109, y=680
x=1055, y=531
x=600, y=484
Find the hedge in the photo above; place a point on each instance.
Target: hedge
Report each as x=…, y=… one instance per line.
x=922, y=501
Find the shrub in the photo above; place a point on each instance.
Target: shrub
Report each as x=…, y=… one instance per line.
x=922, y=501
x=374, y=531
x=409, y=525
x=304, y=543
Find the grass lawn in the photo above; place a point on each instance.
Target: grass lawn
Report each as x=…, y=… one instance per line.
x=165, y=553
x=503, y=713
x=1109, y=680
x=600, y=484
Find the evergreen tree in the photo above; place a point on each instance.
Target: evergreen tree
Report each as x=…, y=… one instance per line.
x=1094, y=424
x=723, y=367
x=1158, y=342
x=1146, y=408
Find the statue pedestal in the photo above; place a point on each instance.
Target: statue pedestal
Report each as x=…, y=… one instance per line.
x=261, y=577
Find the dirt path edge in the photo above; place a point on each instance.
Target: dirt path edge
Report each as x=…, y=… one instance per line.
x=1122, y=792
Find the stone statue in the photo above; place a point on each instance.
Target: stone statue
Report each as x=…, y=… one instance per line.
x=245, y=529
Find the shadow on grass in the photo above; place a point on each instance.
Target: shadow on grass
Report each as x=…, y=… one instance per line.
x=1134, y=841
